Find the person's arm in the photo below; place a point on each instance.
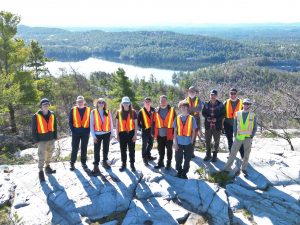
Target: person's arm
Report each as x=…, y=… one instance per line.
x=254, y=128
x=234, y=127
x=194, y=126
x=34, y=129
x=117, y=127
x=55, y=127
x=140, y=119
x=111, y=125
x=135, y=130
x=204, y=111
x=92, y=130
x=71, y=120
x=175, y=143
x=153, y=123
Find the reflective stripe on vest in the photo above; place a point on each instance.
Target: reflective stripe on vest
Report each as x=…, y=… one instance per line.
x=230, y=113
x=244, y=129
x=167, y=122
x=147, y=120
x=42, y=126
x=193, y=104
x=187, y=128
x=85, y=121
x=125, y=125
x=100, y=125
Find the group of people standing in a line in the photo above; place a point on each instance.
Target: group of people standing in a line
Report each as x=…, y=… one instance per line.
x=171, y=131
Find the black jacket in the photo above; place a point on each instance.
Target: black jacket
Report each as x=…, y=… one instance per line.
x=141, y=120
x=219, y=114
x=43, y=137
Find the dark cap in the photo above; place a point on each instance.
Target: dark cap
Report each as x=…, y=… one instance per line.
x=147, y=99
x=215, y=92
x=44, y=100
x=233, y=89
x=193, y=88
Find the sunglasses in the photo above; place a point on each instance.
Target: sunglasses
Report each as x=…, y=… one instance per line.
x=101, y=102
x=233, y=93
x=213, y=95
x=45, y=104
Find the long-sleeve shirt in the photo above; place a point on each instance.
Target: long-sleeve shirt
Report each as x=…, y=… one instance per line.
x=80, y=130
x=92, y=130
x=213, y=114
x=244, y=115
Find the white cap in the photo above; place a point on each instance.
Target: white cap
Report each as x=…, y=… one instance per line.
x=125, y=100
x=79, y=98
x=247, y=100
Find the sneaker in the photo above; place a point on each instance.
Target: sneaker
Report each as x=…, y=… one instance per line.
x=168, y=167
x=214, y=158
x=151, y=158
x=132, y=168
x=95, y=170
x=84, y=166
x=206, y=158
x=237, y=173
x=193, y=156
x=178, y=175
x=122, y=168
x=245, y=173
x=72, y=166
x=49, y=170
x=41, y=176
x=106, y=165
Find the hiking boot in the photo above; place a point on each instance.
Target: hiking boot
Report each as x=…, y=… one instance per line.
x=95, y=170
x=214, y=158
x=207, y=157
x=168, y=167
x=106, y=165
x=151, y=158
x=84, y=166
x=245, y=173
x=123, y=167
x=49, y=170
x=184, y=176
x=145, y=160
x=178, y=175
x=132, y=167
x=41, y=176
x=72, y=166
x=193, y=156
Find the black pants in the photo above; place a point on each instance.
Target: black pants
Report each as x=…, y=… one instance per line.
x=75, y=147
x=163, y=143
x=229, y=135
x=185, y=151
x=126, y=140
x=147, y=143
x=105, y=138
x=209, y=134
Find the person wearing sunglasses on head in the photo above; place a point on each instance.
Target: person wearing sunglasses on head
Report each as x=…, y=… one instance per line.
x=44, y=132
x=244, y=129
x=101, y=124
x=79, y=123
x=126, y=125
x=213, y=112
x=232, y=105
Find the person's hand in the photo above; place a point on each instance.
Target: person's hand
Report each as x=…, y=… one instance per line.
x=118, y=138
x=111, y=137
x=134, y=138
x=95, y=140
x=175, y=146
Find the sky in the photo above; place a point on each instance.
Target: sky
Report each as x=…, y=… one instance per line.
x=118, y=13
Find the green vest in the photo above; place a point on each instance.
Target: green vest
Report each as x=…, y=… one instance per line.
x=244, y=130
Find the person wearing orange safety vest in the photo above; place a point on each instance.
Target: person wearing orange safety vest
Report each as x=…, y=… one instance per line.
x=44, y=132
x=126, y=125
x=244, y=129
x=232, y=105
x=101, y=126
x=184, y=134
x=79, y=123
x=145, y=117
x=163, y=131
x=195, y=106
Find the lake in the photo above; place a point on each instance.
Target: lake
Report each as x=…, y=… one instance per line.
x=93, y=64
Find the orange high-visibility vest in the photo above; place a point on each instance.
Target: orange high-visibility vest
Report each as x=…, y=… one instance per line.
x=85, y=121
x=42, y=126
x=193, y=104
x=167, y=122
x=125, y=125
x=187, y=128
x=146, y=119
x=230, y=113
x=100, y=125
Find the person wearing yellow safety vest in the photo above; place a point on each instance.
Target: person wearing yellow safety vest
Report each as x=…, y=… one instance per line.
x=79, y=123
x=163, y=131
x=101, y=125
x=232, y=105
x=145, y=118
x=244, y=129
x=195, y=106
x=184, y=134
x=126, y=125
x=44, y=132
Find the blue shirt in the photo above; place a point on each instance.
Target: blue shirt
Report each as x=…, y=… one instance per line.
x=184, y=140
